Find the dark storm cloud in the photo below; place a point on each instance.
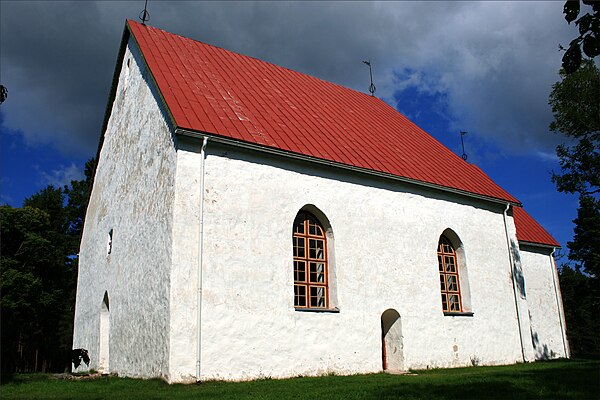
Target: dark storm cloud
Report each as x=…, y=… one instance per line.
x=57, y=62
x=493, y=62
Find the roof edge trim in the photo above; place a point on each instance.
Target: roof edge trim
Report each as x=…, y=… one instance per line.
x=302, y=157
x=152, y=77
x=534, y=244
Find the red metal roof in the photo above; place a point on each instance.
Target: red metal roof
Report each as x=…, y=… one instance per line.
x=212, y=90
x=528, y=230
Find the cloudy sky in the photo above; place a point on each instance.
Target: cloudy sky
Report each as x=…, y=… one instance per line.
x=483, y=67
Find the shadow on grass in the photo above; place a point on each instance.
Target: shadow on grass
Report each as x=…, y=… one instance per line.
x=17, y=379
x=542, y=380
x=466, y=390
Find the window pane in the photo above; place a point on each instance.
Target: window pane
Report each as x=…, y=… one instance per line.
x=452, y=283
x=299, y=296
x=319, y=231
x=317, y=272
x=449, y=261
x=454, y=303
x=316, y=249
x=444, y=301
x=317, y=296
x=299, y=227
x=299, y=271
x=442, y=282
x=299, y=244
x=312, y=228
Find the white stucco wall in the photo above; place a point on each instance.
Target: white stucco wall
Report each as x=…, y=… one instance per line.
x=386, y=237
x=132, y=195
x=183, y=293
x=543, y=299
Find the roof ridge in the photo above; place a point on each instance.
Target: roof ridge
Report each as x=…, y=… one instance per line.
x=254, y=58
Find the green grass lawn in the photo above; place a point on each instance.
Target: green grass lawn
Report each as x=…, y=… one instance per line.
x=542, y=380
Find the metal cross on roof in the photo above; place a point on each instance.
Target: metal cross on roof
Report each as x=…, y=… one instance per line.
x=372, y=87
x=145, y=15
x=464, y=155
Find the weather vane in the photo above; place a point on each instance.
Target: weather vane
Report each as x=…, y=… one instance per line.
x=3, y=93
x=464, y=155
x=145, y=15
x=372, y=87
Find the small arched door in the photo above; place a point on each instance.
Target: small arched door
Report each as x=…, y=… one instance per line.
x=391, y=341
x=104, y=335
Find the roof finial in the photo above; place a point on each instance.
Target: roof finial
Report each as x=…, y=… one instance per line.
x=372, y=87
x=464, y=155
x=3, y=93
x=145, y=15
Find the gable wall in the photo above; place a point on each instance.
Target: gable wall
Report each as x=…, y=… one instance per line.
x=545, y=304
x=133, y=195
x=386, y=238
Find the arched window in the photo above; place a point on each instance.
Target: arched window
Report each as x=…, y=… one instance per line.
x=311, y=287
x=449, y=280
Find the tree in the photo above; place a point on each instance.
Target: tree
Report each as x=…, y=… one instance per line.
x=585, y=247
x=589, y=33
x=78, y=195
x=32, y=275
x=581, y=312
x=39, y=272
x=576, y=109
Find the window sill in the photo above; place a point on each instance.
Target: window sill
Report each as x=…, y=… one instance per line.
x=458, y=314
x=318, y=310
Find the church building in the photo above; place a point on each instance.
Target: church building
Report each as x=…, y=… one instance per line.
x=250, y=221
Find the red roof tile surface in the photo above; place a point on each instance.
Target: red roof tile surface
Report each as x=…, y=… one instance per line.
x=212, y=90
x=528, y=230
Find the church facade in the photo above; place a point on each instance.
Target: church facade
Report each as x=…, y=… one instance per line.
x=248, y=221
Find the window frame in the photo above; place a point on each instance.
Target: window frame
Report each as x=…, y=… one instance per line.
x=442, y=255
x=305, y=219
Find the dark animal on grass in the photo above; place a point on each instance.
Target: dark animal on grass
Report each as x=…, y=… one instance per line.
x=77, y=355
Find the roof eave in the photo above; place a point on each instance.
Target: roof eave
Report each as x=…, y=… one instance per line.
x=303, y=157
x=544, y=245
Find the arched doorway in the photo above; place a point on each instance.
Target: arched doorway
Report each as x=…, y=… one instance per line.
x=104, y=335
x=391, y=341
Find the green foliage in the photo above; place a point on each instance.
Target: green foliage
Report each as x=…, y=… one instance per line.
x=575, y=102
x=585, y=247
x=39, y=270
x=540, y=380
x=589, y=33
x=31, y=272
x=580, y=166
x=78, y=194
x=576, y=108
x=581, y=304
